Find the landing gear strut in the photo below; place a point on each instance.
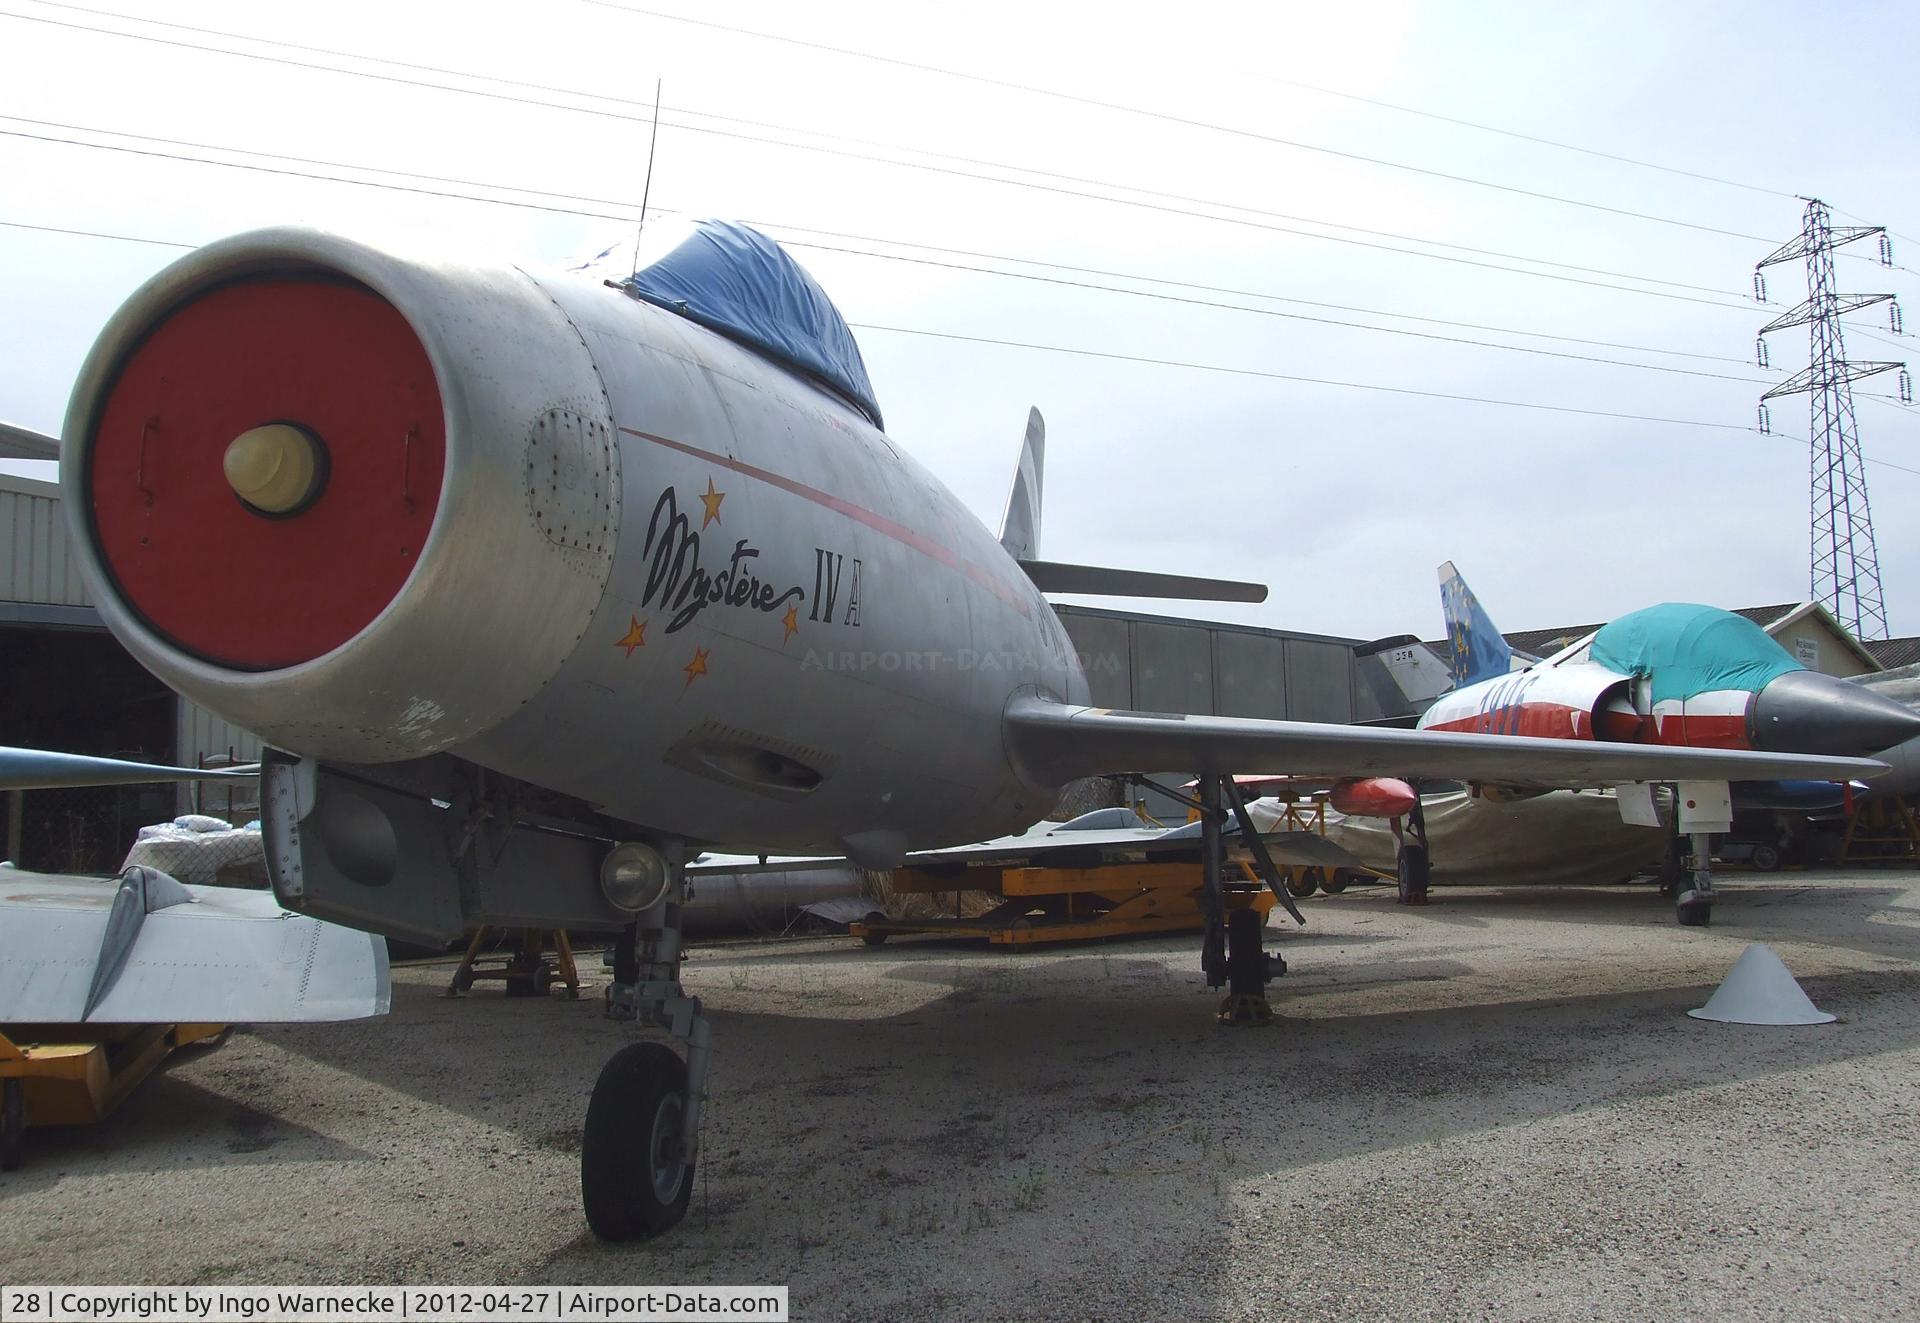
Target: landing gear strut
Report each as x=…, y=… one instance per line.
x=1232, y=953
x=642, y=1136
x=1413, y=863
x=1694, y=906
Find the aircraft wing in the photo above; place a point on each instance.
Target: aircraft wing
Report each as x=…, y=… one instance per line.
x=145, y=949
x=1061, y=742
x=1091, y=849
x=18, y=442
x=40, y=769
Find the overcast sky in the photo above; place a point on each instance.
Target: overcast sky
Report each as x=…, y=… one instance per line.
x=1342, y=499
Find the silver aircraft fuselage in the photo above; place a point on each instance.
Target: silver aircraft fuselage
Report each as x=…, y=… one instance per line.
x=665, y=575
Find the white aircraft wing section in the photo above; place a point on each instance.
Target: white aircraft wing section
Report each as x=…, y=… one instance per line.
x=1089, y=849
x=145, y=949
x=1060, y=742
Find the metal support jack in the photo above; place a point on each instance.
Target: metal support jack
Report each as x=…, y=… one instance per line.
x=642, y=1137
x=526, y=971
x=1246, y=968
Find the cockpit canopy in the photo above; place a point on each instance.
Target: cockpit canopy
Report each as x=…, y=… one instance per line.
x=738, y=282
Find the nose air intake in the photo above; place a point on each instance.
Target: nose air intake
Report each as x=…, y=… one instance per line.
x=1810, y=712
x=266, y=469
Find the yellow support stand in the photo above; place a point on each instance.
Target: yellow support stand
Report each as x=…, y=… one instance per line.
x=1064, y=904
x=74, y=1074
x=1882, y=833
x=526, y=972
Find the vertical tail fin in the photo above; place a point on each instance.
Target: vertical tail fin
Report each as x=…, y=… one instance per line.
x=1475, y=650
x=1020, y=529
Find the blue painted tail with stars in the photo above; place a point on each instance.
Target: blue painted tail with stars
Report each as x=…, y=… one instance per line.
x=1475, y=650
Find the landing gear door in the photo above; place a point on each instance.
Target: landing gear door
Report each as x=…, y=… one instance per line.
x=358, y=853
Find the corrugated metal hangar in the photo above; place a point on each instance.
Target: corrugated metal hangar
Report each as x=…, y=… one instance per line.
x=66, y=683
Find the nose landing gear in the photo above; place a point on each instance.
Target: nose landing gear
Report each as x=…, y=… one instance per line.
x=642, y=1137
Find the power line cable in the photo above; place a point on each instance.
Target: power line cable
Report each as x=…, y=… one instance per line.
x=1011, y=275
x=1161, y=362
x=868, y=157
x=1327, y=381
x=1163, y=116
x=1523, y=137
x=1244, y=293
x=781, y=225
x=1685, y=298
x=1275, y=312
x=839, y=137
x=95, y=234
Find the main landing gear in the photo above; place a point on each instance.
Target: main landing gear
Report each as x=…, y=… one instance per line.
x=1693, y=905
x=1232, y=954
x=642, y=1136
x=1686, y=873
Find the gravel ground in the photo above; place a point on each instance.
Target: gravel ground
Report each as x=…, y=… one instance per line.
x=1493, y=1107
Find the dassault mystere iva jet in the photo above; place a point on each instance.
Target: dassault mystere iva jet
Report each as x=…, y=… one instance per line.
x=552, y=583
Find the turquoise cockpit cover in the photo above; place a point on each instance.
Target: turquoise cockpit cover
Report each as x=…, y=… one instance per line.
x=737, y=281
x=1690, y=650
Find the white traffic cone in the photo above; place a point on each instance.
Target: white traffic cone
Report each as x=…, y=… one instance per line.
x=1759, y=990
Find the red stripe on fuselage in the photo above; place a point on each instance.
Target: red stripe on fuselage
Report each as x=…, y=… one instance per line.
x=860, y=514
x=1550, y=721
x=1555, y=721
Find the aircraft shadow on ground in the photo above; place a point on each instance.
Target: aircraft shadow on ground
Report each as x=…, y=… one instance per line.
x=1003, y=1089
x=167, y=1124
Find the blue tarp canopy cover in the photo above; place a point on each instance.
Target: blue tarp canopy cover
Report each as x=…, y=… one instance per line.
x=1690, y=650
x=738, y=282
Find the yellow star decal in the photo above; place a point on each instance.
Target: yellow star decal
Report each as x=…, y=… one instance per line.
x=635, y=637
x=791, y=623
x=697, y=667
x=712, y=501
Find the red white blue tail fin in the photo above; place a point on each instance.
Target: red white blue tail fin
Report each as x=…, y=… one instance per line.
x=1475, y=650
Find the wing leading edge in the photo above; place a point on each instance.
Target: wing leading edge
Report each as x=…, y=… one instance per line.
x=42, y=769
x=1058, y=742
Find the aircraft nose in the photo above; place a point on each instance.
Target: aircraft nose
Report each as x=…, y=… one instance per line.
x=1809, y=712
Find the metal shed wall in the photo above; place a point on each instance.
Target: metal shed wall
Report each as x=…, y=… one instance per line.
x=1157, y=664
x=35, y=565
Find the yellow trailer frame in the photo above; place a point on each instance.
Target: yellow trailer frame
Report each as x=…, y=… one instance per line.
x=1064, y=904
x=72, y=1074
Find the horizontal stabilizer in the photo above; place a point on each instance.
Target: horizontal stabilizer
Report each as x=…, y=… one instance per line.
x=18, y=442
x=1052, y=576
x=41, y=769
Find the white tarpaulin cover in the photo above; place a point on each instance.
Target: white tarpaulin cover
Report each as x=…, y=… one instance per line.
x=1565, y=837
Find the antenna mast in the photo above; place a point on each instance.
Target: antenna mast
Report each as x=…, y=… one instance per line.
x=646, y=190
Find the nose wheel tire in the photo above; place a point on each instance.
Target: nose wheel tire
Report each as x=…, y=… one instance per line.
x=635, y=1179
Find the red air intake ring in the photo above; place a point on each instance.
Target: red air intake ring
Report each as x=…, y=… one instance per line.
x=214, y=577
